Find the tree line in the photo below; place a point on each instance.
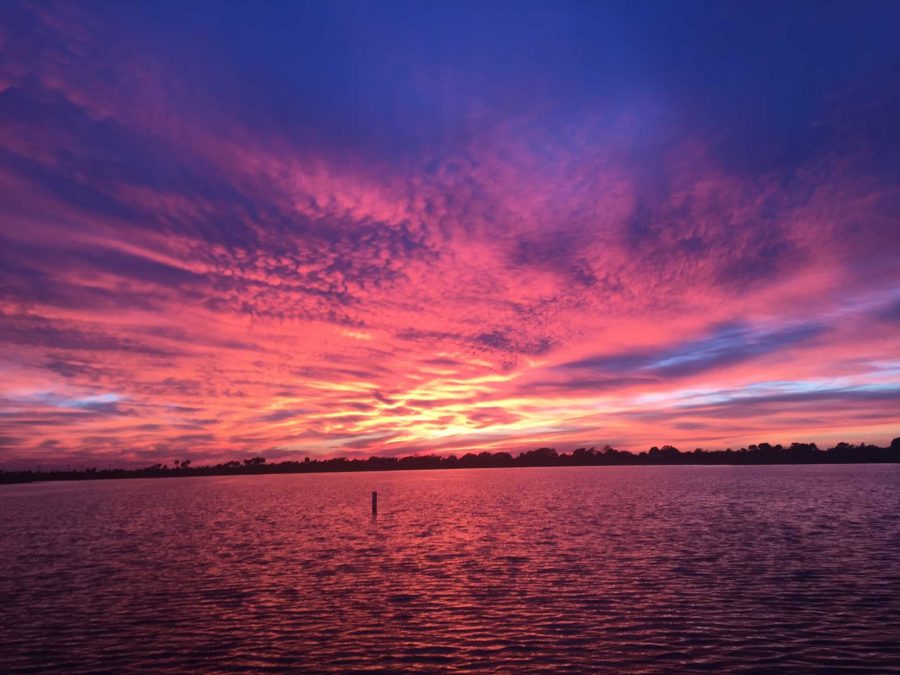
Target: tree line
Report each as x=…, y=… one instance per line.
x=762, y=453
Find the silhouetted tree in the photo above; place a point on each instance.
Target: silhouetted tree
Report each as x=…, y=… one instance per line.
x=764, y=453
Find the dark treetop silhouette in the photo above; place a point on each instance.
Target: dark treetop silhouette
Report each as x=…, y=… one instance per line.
x=764, y=453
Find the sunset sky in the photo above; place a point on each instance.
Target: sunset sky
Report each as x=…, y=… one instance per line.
x=290, y=229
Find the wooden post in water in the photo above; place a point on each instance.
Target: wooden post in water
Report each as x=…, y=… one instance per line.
x=374, y=503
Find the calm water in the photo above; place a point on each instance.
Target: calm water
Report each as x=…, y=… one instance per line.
x=628, y=568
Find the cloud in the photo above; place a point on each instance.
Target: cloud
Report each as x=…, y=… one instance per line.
x=38, y=331
x=726, y=345
x=890, y=312
x=519, y=236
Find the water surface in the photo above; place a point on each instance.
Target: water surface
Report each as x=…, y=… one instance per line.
x=648, y=569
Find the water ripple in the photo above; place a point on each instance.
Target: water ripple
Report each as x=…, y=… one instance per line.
x=642, y=569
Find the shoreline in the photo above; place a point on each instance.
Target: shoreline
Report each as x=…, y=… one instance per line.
x=762, y=455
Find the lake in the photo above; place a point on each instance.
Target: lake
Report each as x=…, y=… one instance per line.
x=648, y=569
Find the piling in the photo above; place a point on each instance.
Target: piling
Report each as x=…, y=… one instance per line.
x=374, y=503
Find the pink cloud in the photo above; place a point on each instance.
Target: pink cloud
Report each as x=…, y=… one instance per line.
x=234, y=292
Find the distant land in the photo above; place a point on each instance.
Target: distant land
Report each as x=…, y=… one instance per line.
x=763, y=453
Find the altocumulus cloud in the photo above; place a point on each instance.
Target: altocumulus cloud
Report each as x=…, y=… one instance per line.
x=441, y=229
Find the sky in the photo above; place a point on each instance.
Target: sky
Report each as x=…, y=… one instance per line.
x=343, y=229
